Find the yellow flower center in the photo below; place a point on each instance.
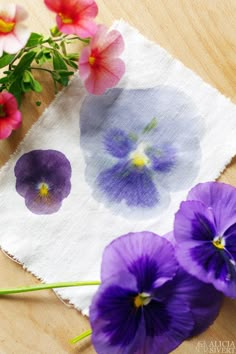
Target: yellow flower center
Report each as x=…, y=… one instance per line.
x=66, y=20
x=139, y=160
x=91, y=60
x=142, y=299
x=43, y=190
x=219, y=243
x=6, y=27
x=138, y=157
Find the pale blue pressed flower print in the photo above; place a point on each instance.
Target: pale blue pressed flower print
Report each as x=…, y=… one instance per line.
x=139, y=146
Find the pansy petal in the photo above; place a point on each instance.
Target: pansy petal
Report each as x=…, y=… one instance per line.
x=143, y=254
x=167, y=326
x=221, y=198
x=42, y=206
x=122, y=182
x=209, y=265
x=113, y=317
x=118, y=143
x=189, y=289
x=194, y=223
x=162, y=157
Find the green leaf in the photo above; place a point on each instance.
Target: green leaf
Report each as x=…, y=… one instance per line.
x=38, y=103
x=34, y=39
x=60, y=67
x=55, y=32
x=29, y=83
x=36, y=86
x=16, y=90
x=43, y=56
x=4, y=80
x=24, y=63
x=152, y=125
x=6, y=59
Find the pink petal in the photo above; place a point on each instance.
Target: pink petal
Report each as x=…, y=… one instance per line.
x=83, y=29
x=15, y=120
x=21, y=14
x=109, y=44
x=88, y=8
x=84, y=66
x=105, y=77
x=114, y=45
x=54, y=5
x=5, y=130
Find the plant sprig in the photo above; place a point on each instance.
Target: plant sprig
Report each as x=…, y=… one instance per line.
x=40, y=53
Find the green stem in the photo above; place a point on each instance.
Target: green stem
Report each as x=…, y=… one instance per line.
x=47, y=286
x=81, y=336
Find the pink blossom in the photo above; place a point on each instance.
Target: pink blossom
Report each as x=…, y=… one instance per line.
x=10, y=116
x=75, y=16
x=99, y=65
x=13, y=33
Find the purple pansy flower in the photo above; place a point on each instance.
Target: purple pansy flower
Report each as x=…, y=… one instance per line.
x=139, y=146
x=205, y=234
x=43, y=179
x=146, y=303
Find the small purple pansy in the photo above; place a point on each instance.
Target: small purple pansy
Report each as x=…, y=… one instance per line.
x=147, y=304
x=205, y=235
x=43, y=179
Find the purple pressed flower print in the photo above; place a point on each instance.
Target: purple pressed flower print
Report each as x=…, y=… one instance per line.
x=147, y=304
x=139, y=146
x=205, y=234
x=43, y=179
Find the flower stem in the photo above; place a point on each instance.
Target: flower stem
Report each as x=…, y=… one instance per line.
x=46, y=286
x=81, y=336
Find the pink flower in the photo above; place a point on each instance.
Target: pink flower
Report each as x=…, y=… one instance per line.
x=10, y=116
x=75, y=16
x=13, y=33
x=99, y=65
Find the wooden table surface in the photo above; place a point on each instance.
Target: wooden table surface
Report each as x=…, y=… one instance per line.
x=202, y=34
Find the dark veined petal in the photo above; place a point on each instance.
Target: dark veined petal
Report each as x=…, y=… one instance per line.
x=121, y=328
x=210, y=265
x=194, y=223
x=123, y=182
x=203, y=299
x=114, y=319
x=147, y=256
x=118, y=143
x=221, y=198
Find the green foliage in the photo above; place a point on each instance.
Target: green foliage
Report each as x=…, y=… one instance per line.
x=152, y=125
x=48, y=54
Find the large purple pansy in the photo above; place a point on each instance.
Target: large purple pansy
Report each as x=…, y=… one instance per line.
x=139, y=146
x=43, y=179
x=146, y=303
x=205, y=234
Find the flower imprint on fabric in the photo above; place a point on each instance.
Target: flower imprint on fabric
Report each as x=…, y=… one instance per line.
x=139, y=146
x=43, y=179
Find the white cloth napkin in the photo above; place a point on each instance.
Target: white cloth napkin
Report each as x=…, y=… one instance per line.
x=134, y=154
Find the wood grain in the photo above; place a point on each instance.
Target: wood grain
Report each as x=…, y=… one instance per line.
x=201, y=33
